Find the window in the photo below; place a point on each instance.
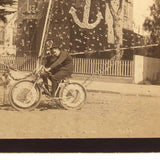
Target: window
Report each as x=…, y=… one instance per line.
x=14, y=35
x=32, y=6
x=2, y=33
x=125, y=11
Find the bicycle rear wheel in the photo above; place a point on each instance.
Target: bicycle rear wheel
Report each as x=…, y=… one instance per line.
x=72, y=96
x=24, y=95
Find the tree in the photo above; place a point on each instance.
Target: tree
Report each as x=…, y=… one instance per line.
x=3, y=10
x=152, y=23
x=116, y=15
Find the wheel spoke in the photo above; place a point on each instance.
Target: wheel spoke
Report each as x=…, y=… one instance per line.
x=24, y=95
x=73, y=96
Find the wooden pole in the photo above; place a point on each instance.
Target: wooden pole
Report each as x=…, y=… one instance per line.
x=125, y=48
x=44, y=33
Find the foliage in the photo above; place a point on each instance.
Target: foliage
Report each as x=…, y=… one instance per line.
x=3, y=10
x=152, y=23
x=6, y=2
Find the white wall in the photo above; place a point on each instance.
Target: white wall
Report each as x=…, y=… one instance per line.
x=146, y=68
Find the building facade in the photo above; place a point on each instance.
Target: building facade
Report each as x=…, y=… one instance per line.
x=8, y=31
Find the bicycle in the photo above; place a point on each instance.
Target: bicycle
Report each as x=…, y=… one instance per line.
x=25, y=95
x=7, y=78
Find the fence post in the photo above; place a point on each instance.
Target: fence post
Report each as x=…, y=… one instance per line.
x=138, y=68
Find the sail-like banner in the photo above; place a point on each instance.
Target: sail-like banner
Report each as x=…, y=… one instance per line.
x=75, y=25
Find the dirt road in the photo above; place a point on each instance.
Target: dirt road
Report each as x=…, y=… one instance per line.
x=103, y=116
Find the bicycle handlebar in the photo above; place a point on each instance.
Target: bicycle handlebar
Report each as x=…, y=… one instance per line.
x=42, y=68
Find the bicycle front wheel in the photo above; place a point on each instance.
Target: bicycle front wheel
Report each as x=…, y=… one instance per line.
x=25, y=96
x=72, y=96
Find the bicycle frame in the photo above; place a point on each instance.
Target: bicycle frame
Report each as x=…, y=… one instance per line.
x=42, y=84
x=69, y=95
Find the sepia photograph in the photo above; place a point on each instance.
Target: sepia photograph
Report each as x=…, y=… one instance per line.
x=79, y=69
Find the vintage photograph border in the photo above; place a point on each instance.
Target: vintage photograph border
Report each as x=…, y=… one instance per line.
x=117, y=145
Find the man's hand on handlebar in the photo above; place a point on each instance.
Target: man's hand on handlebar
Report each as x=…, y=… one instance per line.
x=47, y=69
x=46, y=72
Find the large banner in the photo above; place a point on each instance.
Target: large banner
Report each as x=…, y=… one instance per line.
x=77, y=26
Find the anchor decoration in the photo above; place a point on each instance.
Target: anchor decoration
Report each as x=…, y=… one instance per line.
x=85, y=23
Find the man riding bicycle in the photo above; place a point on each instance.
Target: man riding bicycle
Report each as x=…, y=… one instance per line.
x=60, y=64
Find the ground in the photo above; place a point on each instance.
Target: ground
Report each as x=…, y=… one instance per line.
x=104, y=115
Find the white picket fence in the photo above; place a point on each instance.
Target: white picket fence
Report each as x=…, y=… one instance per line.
x=84, y=66
x=22, y=63
x=103, y=67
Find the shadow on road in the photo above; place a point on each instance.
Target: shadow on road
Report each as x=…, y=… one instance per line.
x=6, y=107
x=44, y=106
x=41, y=107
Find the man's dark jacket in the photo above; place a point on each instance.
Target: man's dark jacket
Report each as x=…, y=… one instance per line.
x=63, y=62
